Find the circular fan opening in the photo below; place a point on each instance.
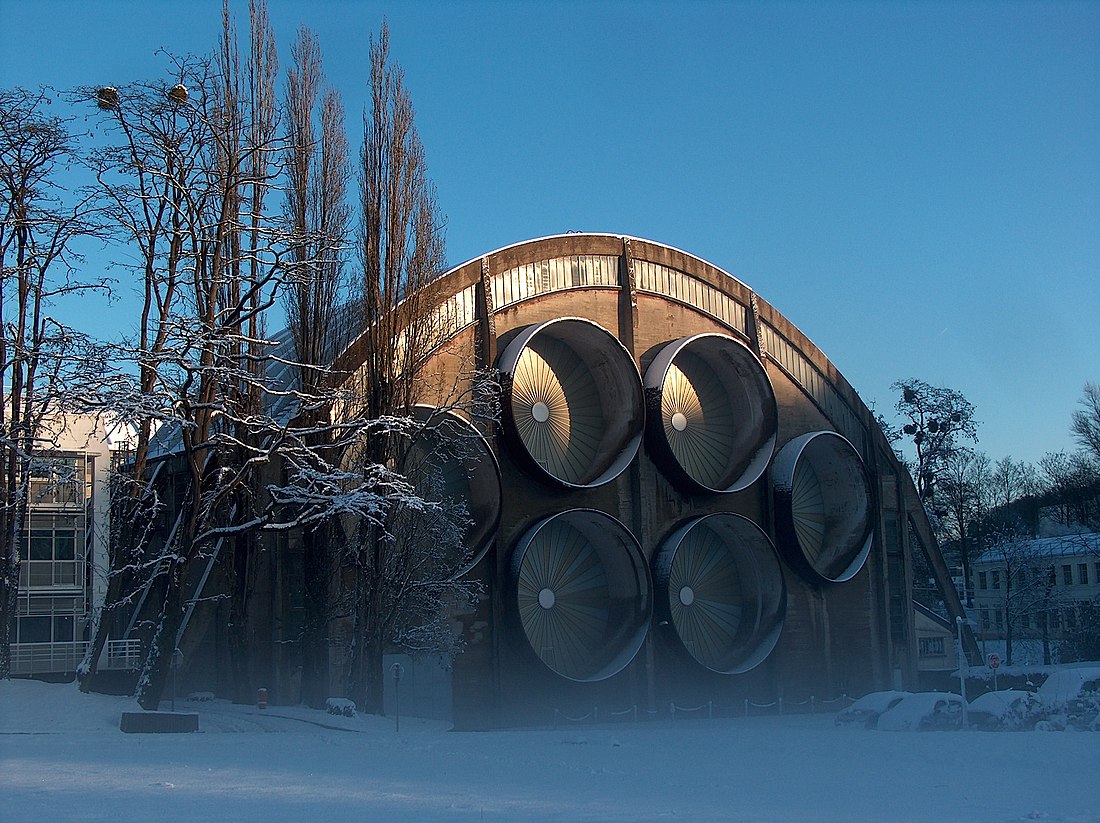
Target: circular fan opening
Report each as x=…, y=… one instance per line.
x=823, y=505
x=712, y=415
x=582, y=594
x=572, y=402
x=449, y=461
x=720, y=587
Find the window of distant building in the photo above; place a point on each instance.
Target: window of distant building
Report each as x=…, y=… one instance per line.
x=998, y=618
x=45, y=629
x=996, y=579
x=1067, y=574
x=48, y=547
x=1022, y=577
x=930, y=646
x=985, y=619
x=1071, y=618
x=1025, y=621
x=981, y=580
x=1083, y=573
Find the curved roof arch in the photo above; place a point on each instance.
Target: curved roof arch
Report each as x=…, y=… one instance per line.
x=591, y=260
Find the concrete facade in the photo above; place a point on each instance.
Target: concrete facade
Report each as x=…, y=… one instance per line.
x=837, y=637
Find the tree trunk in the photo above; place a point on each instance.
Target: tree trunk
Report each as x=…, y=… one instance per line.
x=375, y=703
x=316, y=553
x=89, y=668
x=155, y=673
x=9, y=591
x=240, y=645
x=968, y=587
x=1046, y=640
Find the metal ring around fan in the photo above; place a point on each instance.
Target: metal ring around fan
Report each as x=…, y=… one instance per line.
x=449, y=459
x=582, y=593
x=823, y=505
x=572, y=401
x=720, y=587
x=711, y=411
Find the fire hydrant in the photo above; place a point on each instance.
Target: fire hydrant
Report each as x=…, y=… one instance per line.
x=261, y=698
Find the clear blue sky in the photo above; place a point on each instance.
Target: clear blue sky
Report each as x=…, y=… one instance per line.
x=915, y=185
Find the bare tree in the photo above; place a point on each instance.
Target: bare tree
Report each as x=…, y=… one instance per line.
x=964, y=495
x=1086, y=420
x=1013, y=480
x=248, y=106
x=317, y=216
x=1025, y=583
x=185, y=179
x=937, y=418
x=401, y=253
x=45, y=366
x=1072, y=488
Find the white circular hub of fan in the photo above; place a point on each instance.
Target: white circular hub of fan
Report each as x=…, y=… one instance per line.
x=540, y=412
x=547, y=598
x=679, y=421
x=687, y=595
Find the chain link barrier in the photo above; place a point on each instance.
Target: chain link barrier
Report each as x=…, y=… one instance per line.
x=747, y=707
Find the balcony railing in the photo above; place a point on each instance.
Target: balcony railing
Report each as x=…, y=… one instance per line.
x=51, y=574
x=45, y=658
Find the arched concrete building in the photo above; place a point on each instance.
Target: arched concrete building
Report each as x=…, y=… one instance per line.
x=697, y=506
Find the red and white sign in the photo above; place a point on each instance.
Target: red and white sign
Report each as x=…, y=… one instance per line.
x=994, y=661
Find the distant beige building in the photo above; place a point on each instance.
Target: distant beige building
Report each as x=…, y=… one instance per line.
x=936, y=651
x=1036, y=587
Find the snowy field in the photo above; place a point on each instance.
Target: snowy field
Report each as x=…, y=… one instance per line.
x=62, y=758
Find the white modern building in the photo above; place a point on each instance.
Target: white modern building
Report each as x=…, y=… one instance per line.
x=63, y=551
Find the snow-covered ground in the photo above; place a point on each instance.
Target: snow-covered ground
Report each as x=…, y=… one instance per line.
x=62, y=757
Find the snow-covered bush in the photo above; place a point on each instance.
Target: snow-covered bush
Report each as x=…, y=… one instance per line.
x=341, y=706
x=1069, y=698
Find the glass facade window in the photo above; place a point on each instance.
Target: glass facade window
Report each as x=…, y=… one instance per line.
x=1083, y=573
x=996, y=575
x=982, y=580
x=658, y=279
x=1067, y=574
x=556, y=274
x=46, y=629
x=931, y=646
x=49, y=548
x=58, y=481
